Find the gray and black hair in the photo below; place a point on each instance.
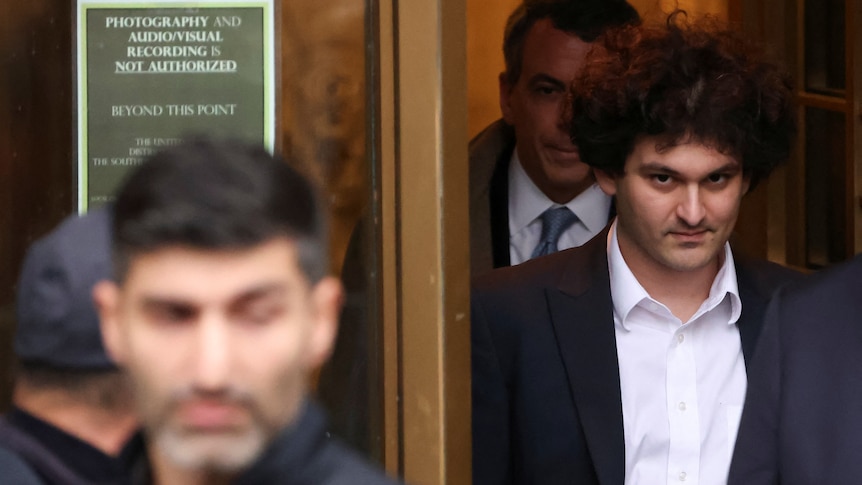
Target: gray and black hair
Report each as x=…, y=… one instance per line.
x=213, y=194
x=586, y=19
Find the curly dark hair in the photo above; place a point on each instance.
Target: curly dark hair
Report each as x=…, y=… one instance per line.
x=586, y=19
x=682, y=81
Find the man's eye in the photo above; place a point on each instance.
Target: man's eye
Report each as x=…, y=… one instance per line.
x=171, y=314
x=546, y=90
x=661, y=178
x=260, y=314
x=717, y=178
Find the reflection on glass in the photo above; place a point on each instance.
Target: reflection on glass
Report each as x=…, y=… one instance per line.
x=325, y=122
x=350, y=383
x=824, y=47
x=824, y=187
x=36, y=164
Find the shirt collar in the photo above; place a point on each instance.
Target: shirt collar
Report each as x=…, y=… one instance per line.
x=627, y=292
x=527, y=202
x=724, y=286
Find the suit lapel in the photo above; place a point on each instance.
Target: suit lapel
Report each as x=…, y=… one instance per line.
x=582, y=317
x=754, y=305
x=490, y=152
x=499, y=200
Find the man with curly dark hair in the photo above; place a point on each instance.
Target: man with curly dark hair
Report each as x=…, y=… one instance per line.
x=624, y=360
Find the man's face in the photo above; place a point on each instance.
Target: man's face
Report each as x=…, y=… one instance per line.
x=534, y=107
x=675, y=209
x=219, y=345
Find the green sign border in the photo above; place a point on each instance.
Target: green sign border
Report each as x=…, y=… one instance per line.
x=269, y=61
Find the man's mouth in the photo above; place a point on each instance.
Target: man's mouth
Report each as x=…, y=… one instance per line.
x=567, y=150
x=689, y=236
x=565, y=155
x=210, y=414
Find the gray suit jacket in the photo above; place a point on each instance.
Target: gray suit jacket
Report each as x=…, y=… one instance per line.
x=490, y=153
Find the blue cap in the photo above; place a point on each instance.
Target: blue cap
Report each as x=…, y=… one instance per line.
x=57, y=320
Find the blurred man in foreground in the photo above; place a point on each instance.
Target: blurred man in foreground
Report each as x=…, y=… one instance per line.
x=220, y=311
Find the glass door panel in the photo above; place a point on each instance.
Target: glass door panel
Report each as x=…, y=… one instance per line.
x=825, y=152
x=323, y=125
x=36, y=144
x=825, y=65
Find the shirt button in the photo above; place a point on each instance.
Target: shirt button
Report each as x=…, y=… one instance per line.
x=680, y=338
x=682, y=476
x=682, y=408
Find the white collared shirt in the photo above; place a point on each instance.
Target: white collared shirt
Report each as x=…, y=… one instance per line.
x=527, y=202
x=682, y=383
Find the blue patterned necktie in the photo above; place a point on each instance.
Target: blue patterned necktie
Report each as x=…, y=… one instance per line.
x=554, y=223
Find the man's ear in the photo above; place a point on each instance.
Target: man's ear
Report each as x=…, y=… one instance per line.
x=327, y=299
x=505, y=95
x=106, y=296
x=606, y=181
x=746, y=184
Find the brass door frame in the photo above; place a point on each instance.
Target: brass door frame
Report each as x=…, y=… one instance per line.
x=424, y=245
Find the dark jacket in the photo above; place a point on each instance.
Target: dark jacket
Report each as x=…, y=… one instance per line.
x=303, y=454
x=55, y=456
x=15, y=471
x=802, y=423
x=546, y=389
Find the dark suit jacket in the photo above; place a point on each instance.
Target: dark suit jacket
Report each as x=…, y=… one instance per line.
x=802, y=422
x=546, y=389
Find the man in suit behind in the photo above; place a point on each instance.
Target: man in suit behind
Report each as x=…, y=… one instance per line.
x=512, y=183
x=624, y=360
x=544, y=45
x=801, y=423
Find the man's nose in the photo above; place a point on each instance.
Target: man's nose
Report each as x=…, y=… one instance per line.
x=563, y=118
x=691, y=209
x=212, y=353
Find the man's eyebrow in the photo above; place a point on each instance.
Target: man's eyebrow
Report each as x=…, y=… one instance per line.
x=260, y=291
x=657, y=167
x=545, y=78
x=660, y=168
x=255, y=292
x=158, y=302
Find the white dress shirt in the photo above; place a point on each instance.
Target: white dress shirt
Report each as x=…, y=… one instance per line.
x=527, y=202
x=682, y=383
